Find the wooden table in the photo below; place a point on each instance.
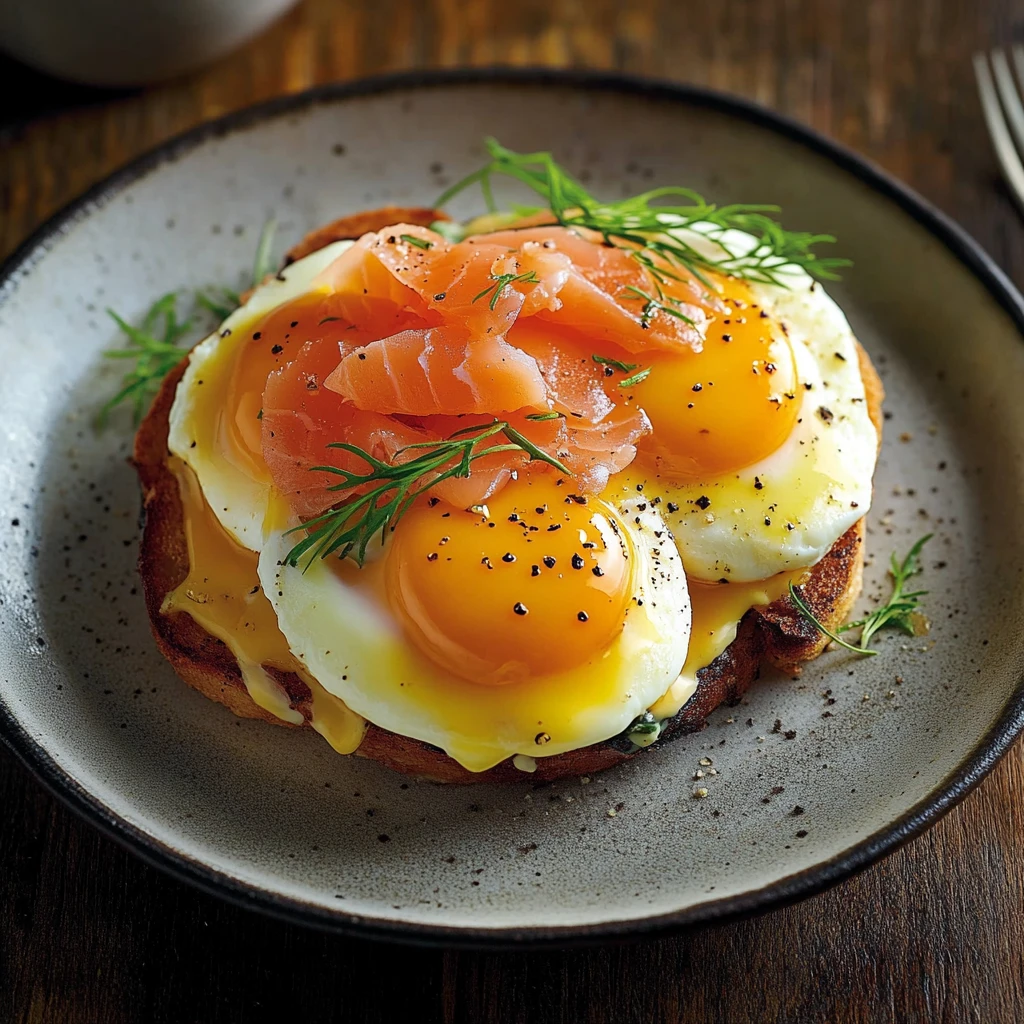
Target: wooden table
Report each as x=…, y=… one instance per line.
x=934, y=933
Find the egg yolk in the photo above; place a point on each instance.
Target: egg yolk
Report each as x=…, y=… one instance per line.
x=727, y=406
x=537, y=582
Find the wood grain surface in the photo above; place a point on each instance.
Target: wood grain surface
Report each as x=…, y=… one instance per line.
x=88, y=933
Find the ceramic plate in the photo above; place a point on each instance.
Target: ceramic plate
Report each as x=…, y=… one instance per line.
x=872, y=750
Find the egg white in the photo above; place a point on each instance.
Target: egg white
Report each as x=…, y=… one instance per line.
x=352, y=644
x=238, y=500
x=814, y=487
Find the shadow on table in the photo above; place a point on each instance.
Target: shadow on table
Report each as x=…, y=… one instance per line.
x=29, y=94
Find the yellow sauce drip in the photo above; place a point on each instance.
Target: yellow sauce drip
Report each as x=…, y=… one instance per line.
x=332, y=718
x=717, y=610
x=222, y=594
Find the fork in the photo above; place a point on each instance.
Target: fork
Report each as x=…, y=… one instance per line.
x=1004, y=112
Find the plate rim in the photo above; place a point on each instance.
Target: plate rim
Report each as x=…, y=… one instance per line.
x=979, y=761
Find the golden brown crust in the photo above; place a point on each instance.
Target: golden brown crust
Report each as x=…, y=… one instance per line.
x=357, y=224
x=777, y=635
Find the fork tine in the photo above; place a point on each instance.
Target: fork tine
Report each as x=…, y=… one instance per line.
x=1018, y=61
x=1010, y=97
x=1002, y=142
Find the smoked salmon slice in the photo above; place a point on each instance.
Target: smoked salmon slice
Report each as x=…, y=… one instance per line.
x=431, y=337
x=439, y=370
x=301, y=418
x=605, y=294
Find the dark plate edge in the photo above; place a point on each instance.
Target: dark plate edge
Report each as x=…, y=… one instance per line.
x=957, y=784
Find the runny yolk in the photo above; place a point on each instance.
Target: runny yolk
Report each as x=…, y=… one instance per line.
x=222, y=593
x=539, y=584
x=727, y=406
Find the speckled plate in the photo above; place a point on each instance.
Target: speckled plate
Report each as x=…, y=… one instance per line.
x=273, y=818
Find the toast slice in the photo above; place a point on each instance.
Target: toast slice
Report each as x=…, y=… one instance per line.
x=777, y=634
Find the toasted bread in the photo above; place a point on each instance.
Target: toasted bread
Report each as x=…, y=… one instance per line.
x=777, y=634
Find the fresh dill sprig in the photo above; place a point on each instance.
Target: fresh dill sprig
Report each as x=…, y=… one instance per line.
x=450, y=230
x=420, y=243
x=636, y=378
x=663, y=303
x=500, y=283
x=645, y=224
x=901, y=611
x=393, y=486
x=154, y=347
x=155, y=343
x=618, y=364
x=221, y=302
x=263, y=262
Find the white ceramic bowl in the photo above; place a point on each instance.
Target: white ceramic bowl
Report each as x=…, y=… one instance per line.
x=121, y=42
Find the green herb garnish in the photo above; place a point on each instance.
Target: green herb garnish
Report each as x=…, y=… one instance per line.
x=154, y=347
x=263, y=263
x=541, y=416
x=500, y=281
x=663, y=303
x=617, y=363
x=420, y=243
x=901, y=611
x=641, y=224
x=450, y=230
x=221, y=302
x=643, y=730
x=393, y=486
x=635, y=379
x=155, y=343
